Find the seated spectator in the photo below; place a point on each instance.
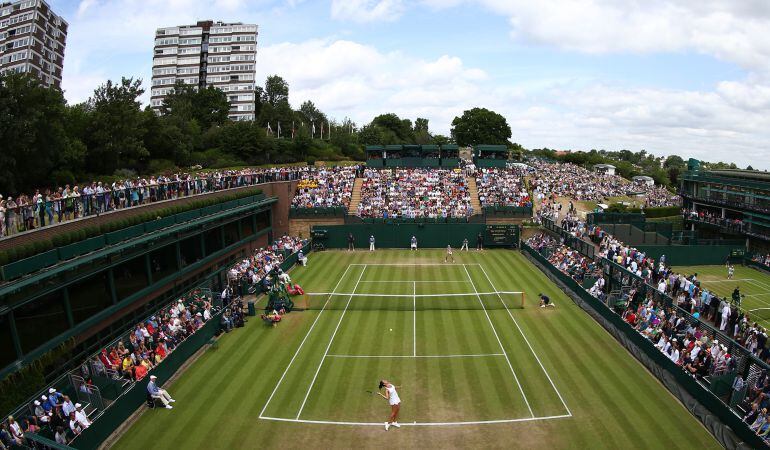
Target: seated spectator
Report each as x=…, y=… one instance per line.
x=81, y=416
x=156, y=392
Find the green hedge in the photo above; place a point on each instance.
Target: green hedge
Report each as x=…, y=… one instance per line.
x=30, y=249
x=662, y=211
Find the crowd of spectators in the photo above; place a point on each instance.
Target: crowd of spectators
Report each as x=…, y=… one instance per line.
x=672, y=326
x=262, y=261
x=762, y=259
x=578, y=183
x=503, y=186
x=714, y=218
x=47, y=206
x=410, y=193
x=325, y=187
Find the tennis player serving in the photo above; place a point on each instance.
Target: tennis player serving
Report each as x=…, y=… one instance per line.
x=393, y=400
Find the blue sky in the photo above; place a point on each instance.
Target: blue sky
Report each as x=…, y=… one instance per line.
x=667, y=76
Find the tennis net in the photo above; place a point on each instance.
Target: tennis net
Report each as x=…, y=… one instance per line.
x=410, y=302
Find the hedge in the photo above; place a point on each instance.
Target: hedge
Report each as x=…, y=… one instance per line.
x=30, y=249
x=662, y=211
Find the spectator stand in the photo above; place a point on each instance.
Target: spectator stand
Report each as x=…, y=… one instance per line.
x=490, y=155
x=393, y=155
x=375, y=156
x=431, y=155
x=705, y=404
x=450, y=156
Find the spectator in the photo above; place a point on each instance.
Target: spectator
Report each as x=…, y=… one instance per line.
x=156, y=392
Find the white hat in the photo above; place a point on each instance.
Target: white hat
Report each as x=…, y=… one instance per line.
x=37, y=403
x=153, y=377
x=78, y=405
x=51, y=391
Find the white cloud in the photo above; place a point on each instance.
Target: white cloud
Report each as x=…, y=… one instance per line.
x=367, y=10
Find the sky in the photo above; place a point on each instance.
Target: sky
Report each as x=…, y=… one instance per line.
x=679, y=77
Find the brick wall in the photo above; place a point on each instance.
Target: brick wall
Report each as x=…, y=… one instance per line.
x=301, y=227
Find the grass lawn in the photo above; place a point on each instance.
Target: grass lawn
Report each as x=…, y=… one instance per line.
x=477, y=375
x=753, y=283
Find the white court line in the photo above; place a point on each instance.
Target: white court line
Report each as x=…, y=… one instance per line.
x=479, y=355
x=414, y=265
x=727, y=281
x=448, y=294
x=414, y=281
x=310, y=388
x=528, y=344
x=301, y=344
x=500, y=342
x=761, y=284
x=419, y=424
x=414, y=317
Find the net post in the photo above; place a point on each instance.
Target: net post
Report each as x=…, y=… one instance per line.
x=523, y=295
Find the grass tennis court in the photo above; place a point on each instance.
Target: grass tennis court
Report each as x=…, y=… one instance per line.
x=481, y=373
x=754, y=285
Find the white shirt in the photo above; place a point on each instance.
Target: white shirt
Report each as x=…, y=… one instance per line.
x=81, y=417
x=393, y=398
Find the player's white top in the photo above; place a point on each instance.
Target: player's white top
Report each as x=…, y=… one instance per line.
x=393, y=397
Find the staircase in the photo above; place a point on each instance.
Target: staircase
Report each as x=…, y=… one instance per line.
x=355, y=196
x=474, y=192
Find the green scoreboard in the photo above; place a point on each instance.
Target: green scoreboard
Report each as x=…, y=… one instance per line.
x=505, y=235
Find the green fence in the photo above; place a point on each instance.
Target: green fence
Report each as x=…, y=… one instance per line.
x=398, y=235
x=505, y=211
x=688, y=255
x=663, y=365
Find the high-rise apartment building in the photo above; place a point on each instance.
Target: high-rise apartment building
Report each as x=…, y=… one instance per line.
x=32, y=40
x=208, y=53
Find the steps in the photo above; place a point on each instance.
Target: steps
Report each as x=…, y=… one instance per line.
x=355, y=197
x=474, y=192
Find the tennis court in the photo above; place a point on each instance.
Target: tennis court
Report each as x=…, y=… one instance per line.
x=431, y=328
x=754, y=286
x=474, y=368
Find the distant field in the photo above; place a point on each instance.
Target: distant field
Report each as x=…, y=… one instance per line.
x=753, y=283
x=480, y=373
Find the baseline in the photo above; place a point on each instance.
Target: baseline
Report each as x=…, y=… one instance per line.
x=470, y=355
x=419, y=424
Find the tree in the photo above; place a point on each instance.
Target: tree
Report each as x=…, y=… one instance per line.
x=310, y=113
x=32, y=132
x=480, y=126
x=274, y=106
x=393, y=129
x=421, y=132
x=276, y=91
x=673, y=161
x=208, y=106
x=440, y=139
x=749, y=167
x=116, y=131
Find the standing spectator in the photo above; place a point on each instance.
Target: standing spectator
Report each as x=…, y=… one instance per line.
x=351, y=241
x=81, y=416
x=413, y=244
x=479, y=242
x=465, y=245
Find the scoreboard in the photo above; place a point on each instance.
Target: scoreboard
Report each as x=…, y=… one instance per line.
x=505, y=235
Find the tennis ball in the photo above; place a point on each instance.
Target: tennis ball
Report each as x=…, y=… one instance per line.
x=391, y=329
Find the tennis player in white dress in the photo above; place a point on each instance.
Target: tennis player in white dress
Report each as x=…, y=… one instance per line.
x=393, y=400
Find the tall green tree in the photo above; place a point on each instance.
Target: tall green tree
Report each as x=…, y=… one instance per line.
x=116, y=133
x=480, y=126
x=208, y=106
x=274, y=106
x=32, y=132
x=421, y=131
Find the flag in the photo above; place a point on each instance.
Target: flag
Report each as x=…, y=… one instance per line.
x=279, y=130
x=269, y=130
x=322, y=130
x=312, y=133
x=292, y=129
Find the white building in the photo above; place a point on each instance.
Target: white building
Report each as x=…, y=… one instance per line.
x=605, y=169
x=644, y=179
x=208, y=53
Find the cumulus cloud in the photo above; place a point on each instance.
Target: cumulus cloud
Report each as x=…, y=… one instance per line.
x=367, y=10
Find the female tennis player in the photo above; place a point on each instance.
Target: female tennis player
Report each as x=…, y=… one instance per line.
x=449, y=254
x=394, y=400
